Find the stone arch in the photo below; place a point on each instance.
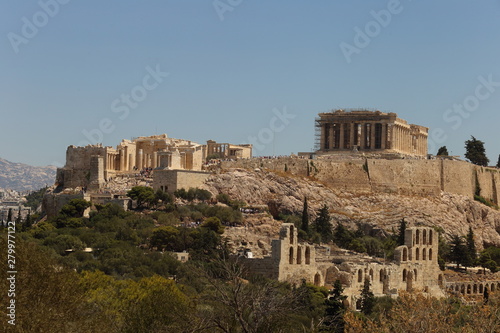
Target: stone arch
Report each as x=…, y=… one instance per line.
x=405, y=254
x=474, y=289
x=299, y=255
x=430, y=237
x=457, y=288
x=291, y=234
x=360, y=275
x=440, y=280
x=424, y=254
x=317, y=279
x=462, y=289
x=415, y=274
x=469, y=289
x=371, y=274
x=481, y=290
x=381, y=276
x=430, y=254
x=290, y=256
x=492, y=287
x=418, y=236
x=308, y=255
x=404, y=275
x=417, y=254
x=424, y=237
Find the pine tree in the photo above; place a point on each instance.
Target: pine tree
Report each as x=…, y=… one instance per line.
x=401, y=232
x=471, y=257
x=498, y=162
x=334, y=311
x=322, y=224
x=475, y=152
x=458, y=250
x=305, y=217
x=367, y=298
x=442, y=151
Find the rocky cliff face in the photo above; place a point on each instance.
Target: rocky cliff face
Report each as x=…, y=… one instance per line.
x=285, y=193
x=23, y=177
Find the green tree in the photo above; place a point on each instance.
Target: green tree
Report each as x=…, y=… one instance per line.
x=165, y=238
x=442, y=151
x=75, y=208
x=367, y=298
x=305, y=217
x=322, y=224
x=475, y=152
x=9, y=215
x=334, y=311
x=498, y=162
x=143, y=195
x=18, y=219
x=471, y=248
x=401, y=232
x=213, y=223
x=342, y=236
x=458, y=250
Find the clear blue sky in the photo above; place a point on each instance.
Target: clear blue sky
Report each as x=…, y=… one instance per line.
x=231, y=63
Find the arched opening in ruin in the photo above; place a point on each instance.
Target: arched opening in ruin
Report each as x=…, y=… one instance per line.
x=317, y=279
x=291, y=234
x=371, y=274
x=430, y=254
x=457, y=288
x=381, y=277
x=474, y=289
x=404, y=275
x=299, y=255
x=424, y=237
x=492, y=287
x=481, y=289
x=424, y=255
x=417, y=254
x=430, y=237
x=290, y=256
x=405, y=254
x=462, y=289
x=415, y=274
x=418, y=236
x=360, y=275
x=440, y=280
x=308, y=255
x=468, y=289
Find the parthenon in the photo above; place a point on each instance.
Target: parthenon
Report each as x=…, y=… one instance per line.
x=375, y=131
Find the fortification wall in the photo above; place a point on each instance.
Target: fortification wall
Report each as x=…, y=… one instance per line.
x=457, y=177
x=350, y=175
x=408, y=177
x=402, y=176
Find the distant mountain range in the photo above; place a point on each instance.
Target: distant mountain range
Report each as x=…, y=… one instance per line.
x=22, y=177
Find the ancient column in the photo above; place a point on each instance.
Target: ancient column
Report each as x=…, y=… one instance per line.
x=155, y=160
x=140, y=159
x=372, y=135
x=122, y=160
x=384, y=136
x=361, y=142
x=321, y=139
x=330, y=137
x=341, y=139
x=351, y=136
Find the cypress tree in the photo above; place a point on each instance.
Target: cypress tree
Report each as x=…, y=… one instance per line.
x=401, y=232
x=471, y=249
x=305, y=217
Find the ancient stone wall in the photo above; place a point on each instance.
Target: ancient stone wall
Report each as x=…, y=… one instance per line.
x=172, y=180
x=420, y=177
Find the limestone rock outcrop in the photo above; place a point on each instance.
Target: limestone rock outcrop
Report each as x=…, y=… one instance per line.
x=285, y=193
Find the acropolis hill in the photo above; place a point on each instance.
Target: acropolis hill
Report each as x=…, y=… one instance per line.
x=360, y=153
x=371, y=169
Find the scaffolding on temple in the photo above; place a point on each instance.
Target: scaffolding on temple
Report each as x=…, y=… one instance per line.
x=317, y=133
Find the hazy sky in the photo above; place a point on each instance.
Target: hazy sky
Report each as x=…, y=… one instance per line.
x=74, y=72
